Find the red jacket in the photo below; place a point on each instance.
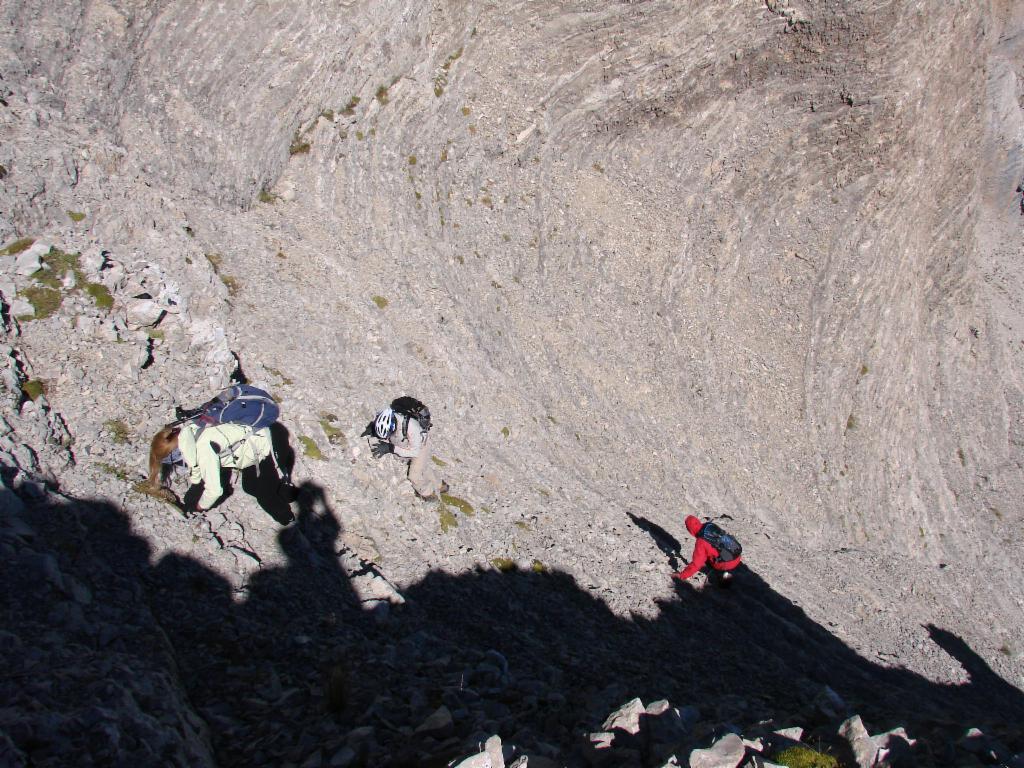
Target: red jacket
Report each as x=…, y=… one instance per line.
x=703, y=553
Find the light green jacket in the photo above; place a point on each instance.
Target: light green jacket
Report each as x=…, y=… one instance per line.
x=239, y=447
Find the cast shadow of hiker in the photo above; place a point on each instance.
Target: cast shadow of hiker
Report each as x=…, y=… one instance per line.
x=665, y=541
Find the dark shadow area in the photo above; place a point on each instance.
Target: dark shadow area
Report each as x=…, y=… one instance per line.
x=272, y=489
x=665, y=541
x=290, y=665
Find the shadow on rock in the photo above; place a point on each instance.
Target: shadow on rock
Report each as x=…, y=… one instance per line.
x=109, y=654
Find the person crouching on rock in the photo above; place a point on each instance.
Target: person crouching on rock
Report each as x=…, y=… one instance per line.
x=205, y=451
x=403, y=429
x=713, y=547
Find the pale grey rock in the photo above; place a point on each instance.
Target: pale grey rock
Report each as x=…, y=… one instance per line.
x=795, y=733
x=856, y=735
x=142, y=313
x=626, y=717
x=21, y=308
x=727, y=752
x=30, y=260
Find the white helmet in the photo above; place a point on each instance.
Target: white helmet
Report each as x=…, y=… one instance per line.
x=385, y=423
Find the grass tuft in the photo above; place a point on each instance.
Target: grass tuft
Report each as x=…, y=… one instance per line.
x=310, y=448
x=119, y=432
x=22, y=244
x=33, y=389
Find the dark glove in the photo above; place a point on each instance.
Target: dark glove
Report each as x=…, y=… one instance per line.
x=381, y=449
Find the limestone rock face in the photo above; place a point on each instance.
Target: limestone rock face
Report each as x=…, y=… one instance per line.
x=751, y=261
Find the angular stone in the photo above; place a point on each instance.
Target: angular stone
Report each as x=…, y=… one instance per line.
x=626, y=717
x=142, y=313
x=856, y=735
x=727, y=752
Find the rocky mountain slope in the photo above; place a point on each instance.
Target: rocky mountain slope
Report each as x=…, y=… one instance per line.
x=752, y=261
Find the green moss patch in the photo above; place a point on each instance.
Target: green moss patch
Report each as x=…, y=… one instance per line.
x=100, y=295
x=44, y=300
x=460, y=504
x=114, y=471
x=310, y=448
x=284, y=379
x=33, y=389
x=804, y=757
x=334, y=435
x=18, y=246
x=300, y=145
x=447, y=519
x=76, y=216
x=119, y=431
x=350, y=108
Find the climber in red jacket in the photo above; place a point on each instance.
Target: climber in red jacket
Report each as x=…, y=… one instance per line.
x=713, y=547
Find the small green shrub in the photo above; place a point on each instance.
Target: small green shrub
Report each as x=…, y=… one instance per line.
x=412, y=159
x=447, y=519
x=266, y=196
x=350, y=108
x=503, y=564
x=18, y=246
x=75, y=216
x=804, y=757
x=461, y=504
x=44, y=300
x=3, y=172
x=300, y=145
x=380, y=301
x=851, y=422
x=334, y=435
x=100, y=295
x=382, y=95
x=118, y=430
x=33, y=389
x=328, y=114
x=439, y=462
x=505, y=432
x=232, y=284
x=284, y=379
x=538, y=567
x=310, y=448
x=110, y=469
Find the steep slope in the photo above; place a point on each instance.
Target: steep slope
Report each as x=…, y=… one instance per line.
x=754, y=260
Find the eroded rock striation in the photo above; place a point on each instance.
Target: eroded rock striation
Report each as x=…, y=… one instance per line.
x=757, y=261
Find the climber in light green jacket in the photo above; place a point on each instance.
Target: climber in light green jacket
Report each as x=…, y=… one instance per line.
x=206, y=449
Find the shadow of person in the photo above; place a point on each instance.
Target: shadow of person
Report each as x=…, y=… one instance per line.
x=538, y=657
x=269, y=482
x=985, y=686
x=664, y=540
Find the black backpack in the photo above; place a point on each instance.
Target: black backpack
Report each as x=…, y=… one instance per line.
x=411, y=408
x=726, y=544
